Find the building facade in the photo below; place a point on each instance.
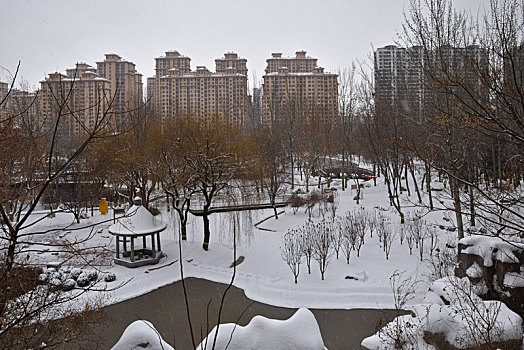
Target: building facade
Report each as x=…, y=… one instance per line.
x=176, y=90
x=410, y=81
x=85, y=95
x=80, y=98
x=399, y=78
x=298, y=80
x=4, y=89
x=125, y=85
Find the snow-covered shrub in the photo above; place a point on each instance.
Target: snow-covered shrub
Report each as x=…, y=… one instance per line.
x=83, y=280
x=141, y=335
x=109, y=277
x=75, y=273
x=296, y=202
x=300, y=331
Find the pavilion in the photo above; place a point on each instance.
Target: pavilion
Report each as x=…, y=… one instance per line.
x=137, y=222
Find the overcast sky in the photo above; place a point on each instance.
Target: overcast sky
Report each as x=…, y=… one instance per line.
x=52, y=35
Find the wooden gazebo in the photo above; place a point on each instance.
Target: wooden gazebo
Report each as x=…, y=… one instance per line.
x=137, y=222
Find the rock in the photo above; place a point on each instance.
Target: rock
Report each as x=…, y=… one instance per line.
x=237, y=261
x=42, y=277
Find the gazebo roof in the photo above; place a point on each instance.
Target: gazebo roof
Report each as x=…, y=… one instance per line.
x=137, y=221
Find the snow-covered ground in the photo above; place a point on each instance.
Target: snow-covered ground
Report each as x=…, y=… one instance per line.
x=263, y=274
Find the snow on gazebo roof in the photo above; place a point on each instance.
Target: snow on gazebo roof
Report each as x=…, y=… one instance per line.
x=136, y=222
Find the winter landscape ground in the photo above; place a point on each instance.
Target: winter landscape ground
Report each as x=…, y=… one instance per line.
x=263, y=274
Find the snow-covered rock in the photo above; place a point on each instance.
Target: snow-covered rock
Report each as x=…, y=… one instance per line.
x=83, y=280
x=491, y=249
x=452, y=315
x=141, y=335
x=300, y=331
x=42, y=277
x=68, y=284
x=92, y=275
x=109, y=277
x=75, y=273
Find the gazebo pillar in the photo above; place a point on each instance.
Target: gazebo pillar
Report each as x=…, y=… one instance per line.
x=158, y=241
x=144, y=242
x=125, y=244
x=117, y=247
x=132, y=249
x=153, y=250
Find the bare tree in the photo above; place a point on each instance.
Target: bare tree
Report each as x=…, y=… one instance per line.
x=323, y=249
x=291, y=251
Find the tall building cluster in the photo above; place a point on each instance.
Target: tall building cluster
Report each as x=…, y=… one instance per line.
x=406, y=78
x=112, y=91
x=300, y=82
x=176, y=90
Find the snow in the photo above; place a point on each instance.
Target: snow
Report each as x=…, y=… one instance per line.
x=137, y=220
x=300, y=331
x=491, y=248
x=474, y=271
x=451, y=309
x=263, y=275
x=514, y=280
x=141, y=335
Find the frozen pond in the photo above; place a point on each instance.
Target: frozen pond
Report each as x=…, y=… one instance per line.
x=165, y=308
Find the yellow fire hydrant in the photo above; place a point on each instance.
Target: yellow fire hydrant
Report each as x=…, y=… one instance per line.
x=103, y=206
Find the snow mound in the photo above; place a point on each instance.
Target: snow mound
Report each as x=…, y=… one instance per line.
x=141, y=335
x=300, y=331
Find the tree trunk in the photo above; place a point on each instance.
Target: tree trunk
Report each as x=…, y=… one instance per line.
x=458, y=209
x=406, y=177
x=428, y=185
x=183, y=230
x=471, y=206
x=207, y=233
x=412, y=171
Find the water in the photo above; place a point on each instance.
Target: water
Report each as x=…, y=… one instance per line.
x=166, y=309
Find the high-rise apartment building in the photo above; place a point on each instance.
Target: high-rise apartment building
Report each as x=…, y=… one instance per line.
x=85, y=94
x=407, y=80
x=399, y=78
x=204, y=95
x=125, y=84
x=4, y=89
x=79, y=98
x=298, y=80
